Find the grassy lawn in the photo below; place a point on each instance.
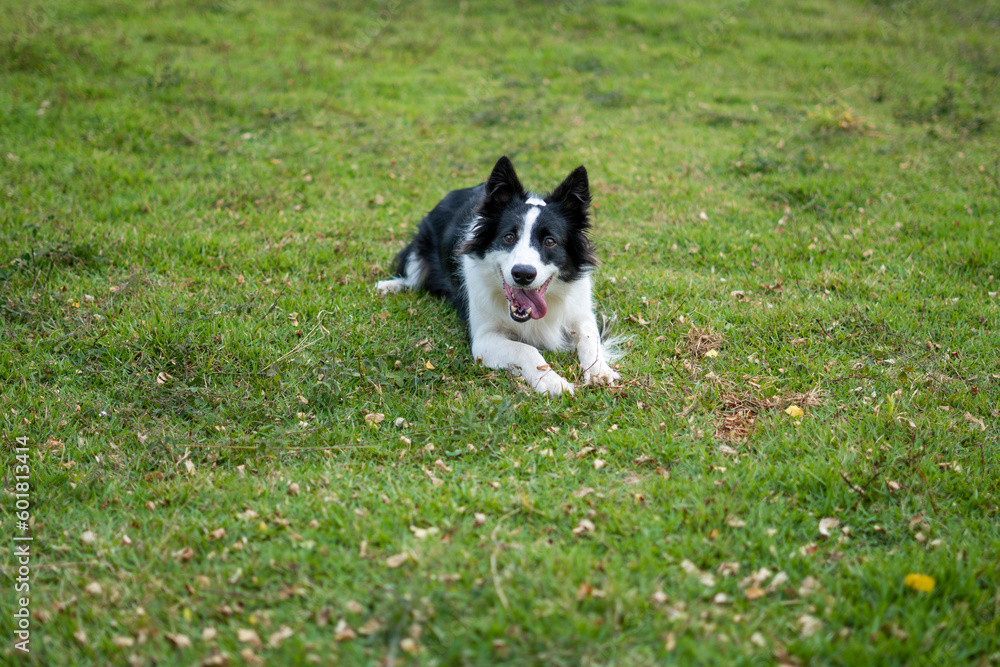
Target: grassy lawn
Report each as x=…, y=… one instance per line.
x=239, y=454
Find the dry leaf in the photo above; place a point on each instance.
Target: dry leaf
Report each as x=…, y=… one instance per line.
x=372, y=626
x=421, y=533
x=276, y=638
x=920, y=582
x=794, y=411
x=184, y=555
x=779, y=580
x=827, y=525
x=343, y=632
x=585, y=526
x=809, y=586
x=754, y=593
x=393, y=562
x=810, y=625
x=248, y=636
x=975, y=422
x=728, y=568
x=179, y=640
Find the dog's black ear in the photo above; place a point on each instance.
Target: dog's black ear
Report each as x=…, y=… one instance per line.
x=574, y=193
x=503, y=184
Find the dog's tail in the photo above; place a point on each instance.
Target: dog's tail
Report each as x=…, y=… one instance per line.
x=614, y=344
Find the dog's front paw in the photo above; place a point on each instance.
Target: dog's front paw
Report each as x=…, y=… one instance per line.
x=600, y=373
x=551, y=383
x=394, y=285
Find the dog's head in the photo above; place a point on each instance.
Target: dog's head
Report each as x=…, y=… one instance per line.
x=531, y=240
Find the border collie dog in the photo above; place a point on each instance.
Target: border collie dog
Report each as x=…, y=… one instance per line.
x=516, y=266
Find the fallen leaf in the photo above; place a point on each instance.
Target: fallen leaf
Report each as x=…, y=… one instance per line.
x=828, y=525
x=779, y=580
x=179, y=640
x=585, y=526
x=809, y=586
x=794, y=411
x=920, y=582
x=754, y=593
x=343, y=632
x=276, y=638
x=216, y=660
x=975, y=422
x=810, y=625
x=421, y=533
x=184, y=555
x=248, y=636
x=728, y=568
x=398, y=560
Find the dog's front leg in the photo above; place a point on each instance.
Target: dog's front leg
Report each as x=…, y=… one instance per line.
x=592, y=354
x=498, y=351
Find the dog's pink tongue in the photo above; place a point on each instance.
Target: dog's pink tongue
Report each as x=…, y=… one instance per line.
x=535, y=298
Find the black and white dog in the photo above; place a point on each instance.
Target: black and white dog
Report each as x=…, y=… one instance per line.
x=517, y=268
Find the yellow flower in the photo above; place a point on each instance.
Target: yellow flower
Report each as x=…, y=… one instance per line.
x=920, y=582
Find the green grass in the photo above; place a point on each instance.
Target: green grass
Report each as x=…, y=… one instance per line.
x=196, y=199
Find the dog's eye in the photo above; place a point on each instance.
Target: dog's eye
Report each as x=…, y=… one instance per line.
x=509, y=238
x=549, y=242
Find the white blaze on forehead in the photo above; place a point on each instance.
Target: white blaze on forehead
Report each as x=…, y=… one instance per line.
x=534, y=201
x=523, y=253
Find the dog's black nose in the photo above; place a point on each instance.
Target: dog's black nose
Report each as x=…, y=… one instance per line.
x=523, y=274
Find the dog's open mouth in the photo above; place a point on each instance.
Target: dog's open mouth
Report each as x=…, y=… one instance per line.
x=526, y=304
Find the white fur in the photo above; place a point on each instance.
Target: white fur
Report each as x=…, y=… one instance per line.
x=569, y=323
x=523, y=253
x=413, y=278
